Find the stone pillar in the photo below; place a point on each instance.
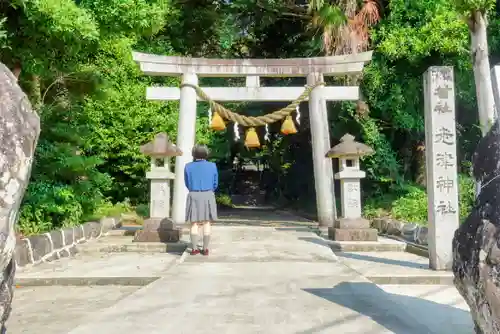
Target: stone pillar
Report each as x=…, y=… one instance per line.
x=441, y=164
x=323, y=169
x=351, y=197
x=186, y=132
x=160, y=178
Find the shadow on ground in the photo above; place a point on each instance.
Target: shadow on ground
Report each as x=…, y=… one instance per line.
x=365, y=257
x=399, y=314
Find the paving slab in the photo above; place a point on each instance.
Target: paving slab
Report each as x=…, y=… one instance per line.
x=268, y=298
x=240, y=289
x=437, y=305
x=122, y=243
x=236, y=298
x=257, y=279
x=56, y=310
x=265, y=244
x=98, y=267
x=394, y=268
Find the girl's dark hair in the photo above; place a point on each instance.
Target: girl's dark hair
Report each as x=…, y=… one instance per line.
x=200, y=152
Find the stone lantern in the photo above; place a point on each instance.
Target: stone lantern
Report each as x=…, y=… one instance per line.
x=159, y=227
x=350, y=226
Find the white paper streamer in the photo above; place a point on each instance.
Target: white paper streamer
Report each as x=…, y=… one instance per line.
x=266, y=136
x=297, y=118
x=236, y=131
x=209, y=116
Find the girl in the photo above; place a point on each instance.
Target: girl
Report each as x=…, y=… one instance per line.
x=201, y=178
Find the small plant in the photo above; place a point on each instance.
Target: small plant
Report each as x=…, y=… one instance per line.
x=224, y=200
x=409, y=202
x=108, y=209
x=411, y=207
x=466, y=195
x=142, y=210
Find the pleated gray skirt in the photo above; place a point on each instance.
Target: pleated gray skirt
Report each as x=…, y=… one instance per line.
x=201, y=207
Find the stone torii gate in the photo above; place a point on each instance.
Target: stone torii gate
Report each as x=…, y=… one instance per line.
x=315, y=69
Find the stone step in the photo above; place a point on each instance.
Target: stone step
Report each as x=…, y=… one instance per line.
x=382, y=245
x=136, y=247
x=23, y=282
x=401, y=268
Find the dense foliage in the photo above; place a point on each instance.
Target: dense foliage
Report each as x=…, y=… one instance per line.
x=74, y=60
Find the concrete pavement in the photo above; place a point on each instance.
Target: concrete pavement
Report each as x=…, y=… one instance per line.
x=256, y=280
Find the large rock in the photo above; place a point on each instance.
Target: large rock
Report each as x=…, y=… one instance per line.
x=476, y=245
x=19, y=130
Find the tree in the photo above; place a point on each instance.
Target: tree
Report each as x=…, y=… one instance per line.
x=475, y=13
x=345, y=24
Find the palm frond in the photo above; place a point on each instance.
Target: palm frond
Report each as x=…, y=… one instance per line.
x=329, y=16
x=315, y=5
x=369, y=14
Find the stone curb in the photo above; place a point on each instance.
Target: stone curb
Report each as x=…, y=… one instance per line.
x=56, y=244
x=445, y=279
x=140, y=247
x=411, y=247
x=369, y=246
x=83, y=281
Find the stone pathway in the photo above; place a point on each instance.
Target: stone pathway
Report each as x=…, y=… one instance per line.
x=257, y=280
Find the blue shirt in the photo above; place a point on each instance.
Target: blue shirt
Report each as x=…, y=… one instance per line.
x=201, y=175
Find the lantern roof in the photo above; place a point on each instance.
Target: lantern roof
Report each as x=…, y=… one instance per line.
x=348, y=147
x=160, y=147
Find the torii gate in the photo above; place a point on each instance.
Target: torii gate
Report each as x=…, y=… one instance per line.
x=315, y=69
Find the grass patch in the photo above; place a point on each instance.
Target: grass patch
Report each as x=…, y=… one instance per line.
x=142, y=210
x=108, y=209
x=224, y=200
x=28, y=227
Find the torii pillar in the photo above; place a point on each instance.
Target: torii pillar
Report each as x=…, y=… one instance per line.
x=186, y=133
x=323, y=169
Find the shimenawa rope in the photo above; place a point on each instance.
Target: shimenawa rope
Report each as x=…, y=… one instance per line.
x=251, y=121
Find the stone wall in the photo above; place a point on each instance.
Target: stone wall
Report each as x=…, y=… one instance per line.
x=411, y=232
x=60, y=243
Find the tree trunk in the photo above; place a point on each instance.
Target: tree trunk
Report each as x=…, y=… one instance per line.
x=421, y=177
x=36, y=93
x=482, y=75
x=19, y=130
x=17, y=70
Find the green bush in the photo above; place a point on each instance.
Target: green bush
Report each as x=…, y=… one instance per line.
x=409, y=202
x=66, y=185
x=107, y=209
x=224, y=200
x=142, y=210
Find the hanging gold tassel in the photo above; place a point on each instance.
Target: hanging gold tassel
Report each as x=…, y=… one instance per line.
x=252, y=139
x=288, y=127
x=217, y=122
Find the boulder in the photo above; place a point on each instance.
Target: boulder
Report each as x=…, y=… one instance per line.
x=19, y=130
x=476, y=244
x=395, y=227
